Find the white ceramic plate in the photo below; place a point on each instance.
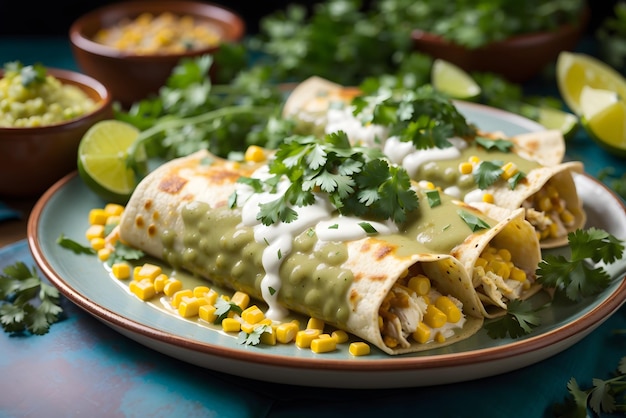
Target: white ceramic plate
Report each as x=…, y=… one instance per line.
x=64, y=210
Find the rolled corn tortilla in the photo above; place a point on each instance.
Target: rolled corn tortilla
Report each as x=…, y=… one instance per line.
x=547, y=192
x=180, y=213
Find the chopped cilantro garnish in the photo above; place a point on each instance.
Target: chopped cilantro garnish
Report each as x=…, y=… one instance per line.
x=368, y=228
x=223, y=308
x=487, y=173
x=433, y=198
x=254, y=338
x=74, y=246
x=474, y=222
x=520, y=320
x=502, y=145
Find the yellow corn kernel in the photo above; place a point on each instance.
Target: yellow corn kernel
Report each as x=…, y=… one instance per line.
x=265, y=321
x=488, y=198
x=247, y=328
x=94, y=231
x=97, y=217
x=466, y=168
x=429, y=185
x=440, y=338
x=390, y=341
x=136, y=270
x=434, y=318
x=420, y=284
x=113, y=220
x=252, y=314
x=241, y=299
x=113, y=209
x=188, y=306
x=97, y=243
x=143, y=289
x=544, y=204
x=567, y=217
x=553, y=230
x=323, y=345
x=340, y=336
x=104, y=254
x=359, y=348
x=445, y=305
x=207, y=313
x=121, y=270
x=481, y=262
x=148, y=271
x=255, y=154
x=178, y=297
x=305, y=336
x=509, y=170
x=286, y=332
x=231, y=325
x=200, y=291
x=500, y=268
x=473, y=159
x=518, y=274
x=268, y=337
x=159, y=282
x=421, y=333
x=315, y=323
x=505, y=254
x=172, y=286
x=211, y=296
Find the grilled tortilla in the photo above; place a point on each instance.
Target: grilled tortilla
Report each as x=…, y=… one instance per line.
x=378, y=287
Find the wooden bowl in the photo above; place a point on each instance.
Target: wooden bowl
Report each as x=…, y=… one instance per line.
x=130, y=76
x=517, y=59
x=33, y=158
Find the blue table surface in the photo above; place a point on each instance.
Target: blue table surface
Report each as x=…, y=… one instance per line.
x=84, y=368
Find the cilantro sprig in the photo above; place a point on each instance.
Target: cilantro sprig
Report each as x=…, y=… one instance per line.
x=422, y=116
x=27, y=303
x=574, y=278
x=357, y=180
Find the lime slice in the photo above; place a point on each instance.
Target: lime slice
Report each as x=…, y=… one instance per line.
x=453, y=81
x=607, y=127
x=592, y=101
x=102, y=160
x=576, y=70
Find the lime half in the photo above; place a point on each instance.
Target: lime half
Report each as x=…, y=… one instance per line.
x=453, y=81
x=575, y=71
x=606, y=125
x=103, y=160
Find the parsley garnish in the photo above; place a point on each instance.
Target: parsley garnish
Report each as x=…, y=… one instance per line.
x=74, y=246
x=254, y=338
x=124, y=253
x=19, y=286
x=520, y=320
x=487, y=173
x=223, y=308
x=474, y=222
x=502, y=145
x=357, y=180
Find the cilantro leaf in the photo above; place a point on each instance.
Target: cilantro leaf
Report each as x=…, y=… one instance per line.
x=575, y=276
x=74, y=246
x=474, y=222
x=123, y=252
x=502, y=145
x=520, y=319
x=223, y=308
x=28, y=304
x=487, y=173
x=254, y=338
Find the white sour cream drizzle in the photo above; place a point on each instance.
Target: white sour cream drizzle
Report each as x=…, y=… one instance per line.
x=342, y=119
x=279, y=237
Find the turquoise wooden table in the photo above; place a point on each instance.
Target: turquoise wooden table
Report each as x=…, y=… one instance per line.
x=84, y=368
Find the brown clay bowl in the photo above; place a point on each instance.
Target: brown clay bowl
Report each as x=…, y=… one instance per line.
x=33, y=158
x=517, y=59
x=129, y=76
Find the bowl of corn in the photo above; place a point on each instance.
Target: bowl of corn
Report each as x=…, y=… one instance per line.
x=44, y=113
x=132, y=47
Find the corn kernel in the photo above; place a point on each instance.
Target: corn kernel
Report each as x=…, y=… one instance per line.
x=509, y=170
x=434, y=318
x=567, y=217
x=359, y=348
x=97, y=217
x=241, y=299
x=188, y=306
x=97, y=243
x=473, y=159
x=518, y=274
x=121, y=270
x=440, y=338
x=420, y=284
x=340, y=336
x=390, y=341
x=252, y=314
x=104, y=254
x=505, y=254
x=268, y=337
x=172, y=286
x=315, y=323
x=421, y=333
x=148, y=271
x=159, y=282
x=231, y=325
x=544, y=204
x=305, y=336
x=286, y=332
x=452, y=312
x=255, y=154
x=144, y=289
x=200, y=291
x=323, y=345
x=211, y=296
x=94, y=231
x=207, y=313
x=113, y=209
x=178, y=297
x=247, y=328
x=488, y=198
x=466, y=168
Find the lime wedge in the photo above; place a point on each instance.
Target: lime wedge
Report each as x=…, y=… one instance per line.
x=576, y=70
x=557, y=119
x=453, y=81
x=607, y=127
x=592, y=101
x=102, y=160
